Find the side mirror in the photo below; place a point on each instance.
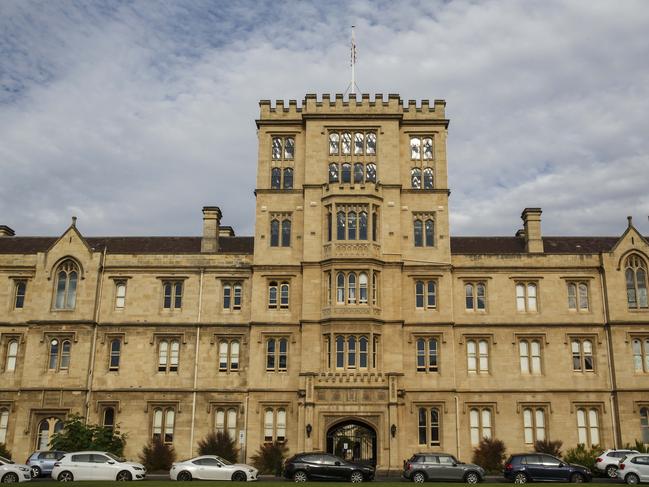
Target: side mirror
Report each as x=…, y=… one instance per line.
x=337, y=464
x=454, y=464
x=562, y=465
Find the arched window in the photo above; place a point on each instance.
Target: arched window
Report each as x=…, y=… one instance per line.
x=168, y=355
x=640, y=349
x=46, y=428
x=644, y=425
x=428, y=178
x=275, y=178
x=223, y=356
x=419, y=233
x=363, y=349
x=428, y=427
x=334, y=144
x=270, y=354
x=359, y=146
x=234, y=355
x=283, y=295
x=289, y=148
x=346, y=143
x=415, y=178
x=351, y=225
x=277, y=148
x=415, y=148
x=333, y=173
x=375, y=225
x=225, y=420
x=636, y=282
x=272, y=295
x=108, y=419
x=351, y=352
x=370, y=140
x=120, y=294
x=427, y=355
x=533, y=425
x=362, y=288
x=228, y=355
x=530, y=356
x=282, y=363
x=478, y=356
x=274, y=233
x=419, y=294
x=288, y=178
x=340, y=352
x=12, y=357
x=67, y=276
x=115, y=354
x=232, y=423
x=370, y=173
x=582, y=355
x=59, y=358
x=54, y=354
x=4, y=422
x=269, y=425
x=346, y=173
x=20, y=291
x=430, y=233
x=351, y=288
x=480, y=424
x=427, y=148
x=359, y=172
x=163, y=424
x=340, y=225
x=362, y=226
x=588, y=426
x=286, y=233
x=340, y=288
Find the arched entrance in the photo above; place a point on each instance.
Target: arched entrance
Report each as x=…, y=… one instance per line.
x=354, y=441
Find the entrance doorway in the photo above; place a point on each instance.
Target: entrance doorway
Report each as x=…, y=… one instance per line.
x=354, y=441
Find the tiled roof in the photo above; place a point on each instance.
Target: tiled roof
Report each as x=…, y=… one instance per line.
x=130, y=245
x=516, y=245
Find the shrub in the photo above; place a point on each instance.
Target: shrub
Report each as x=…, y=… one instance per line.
x=219, y=443
x=157, y=455
x=270, y=457
x=490, y=454
x=583, y=456
x=4, y=451
x=548, y=446
x=76, y=435
x=638, y=446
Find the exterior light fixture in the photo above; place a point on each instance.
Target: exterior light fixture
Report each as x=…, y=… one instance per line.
x=309, y=429
x=393, y=430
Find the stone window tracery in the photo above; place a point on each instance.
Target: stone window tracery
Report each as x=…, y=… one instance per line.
x=67, y=277
x=635, y=273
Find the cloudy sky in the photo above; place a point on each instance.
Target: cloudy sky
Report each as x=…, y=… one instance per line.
x=133, y=115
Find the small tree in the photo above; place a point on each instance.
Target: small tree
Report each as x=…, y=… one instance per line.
x=270, y=457
x=549, y=446
x=157, y=455
x=490, y=454
x=77, y=435
x=583, y=456
x=219, y=443
x=4, y=451
x=638, y=446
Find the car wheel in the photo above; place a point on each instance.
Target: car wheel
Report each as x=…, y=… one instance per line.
x=520, y=478
x=576, y=478
x=9, y=478
x=471, y=478
x=36, y=472
x=239, y=477
x=300, y=476
x=611, y=471
x=184, y=476
x=124, y=476
x=419, y=478
x=356, y=477
x=632, y=479
x=65, y=476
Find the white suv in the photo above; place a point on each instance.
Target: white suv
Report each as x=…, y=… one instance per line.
x=96, y=465
x=608, y=461
x=634, y=468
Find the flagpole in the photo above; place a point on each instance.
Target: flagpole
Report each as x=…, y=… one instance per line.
x=353, y=59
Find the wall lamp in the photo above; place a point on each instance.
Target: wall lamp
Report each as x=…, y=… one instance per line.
x=309, y=429
x=393, y=430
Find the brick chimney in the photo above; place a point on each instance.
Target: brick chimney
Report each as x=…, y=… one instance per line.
x=6, y=231
x=532, y=228
x=211, y=224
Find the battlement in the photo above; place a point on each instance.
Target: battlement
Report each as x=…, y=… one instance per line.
x=378, y=104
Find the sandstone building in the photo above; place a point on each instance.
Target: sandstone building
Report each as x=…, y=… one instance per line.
x=351, y=322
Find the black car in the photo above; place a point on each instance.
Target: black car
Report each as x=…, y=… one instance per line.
x=528, y=467
x=324, y=466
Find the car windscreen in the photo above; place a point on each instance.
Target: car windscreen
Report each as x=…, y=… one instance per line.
x=5, y=460
x=224, y=461
x=114, y=457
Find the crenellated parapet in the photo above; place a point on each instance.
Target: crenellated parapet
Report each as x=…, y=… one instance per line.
x=360, y=105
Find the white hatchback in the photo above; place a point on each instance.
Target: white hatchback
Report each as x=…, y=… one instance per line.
x=13, y=472
x=96, y=465
x=634, y=468
x=211, y=467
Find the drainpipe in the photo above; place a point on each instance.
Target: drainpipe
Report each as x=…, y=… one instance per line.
x=196, y=350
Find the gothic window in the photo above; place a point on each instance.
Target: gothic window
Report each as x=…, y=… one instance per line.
x=20, y=289
x=115, y=351
x=530, y=356
x=120, y=294
x=424, y=232
x=582, y=355
x=286, y=232
x=46, y=428
x=277, y=148
x=588, y=426
x=427, y=350
x=340, y=288
x=283, y=295
x=289, y=148
x=272, y=295
x=351, y=351
x=274, y=233
x=359, y=173
x=334, y=144
x=11, y=354
x=288, y=178
x=163, y=424
x=475, y=296
x=533, y=425
x=477, y=356
x=346, y=143
x=59, y=354
x=428, y=178
x=228, y=355
x=232, y=294
x=362, y=225
x=4, y=422
x=370, y=173
x=370, y=148
x=526, y=297
x=426, y=294
x=480, y=424
x=276, y=178
x=359, y=144
x=362, y=288
x=225, y=421
x=108, y=418
x=334, y=173
x=288, y=143
x=636, y=282
x=351, y=288
x=346, y=173
x=415, y=178
x=67, y=277
x=578, y=296
x=421, y=148
x=168, y=355
x=429, y=427
x=276, y=354
x=172, y=294
x=644, y=425
x=640, y=348
x=427, y=148
x=415, y=148
x=274, y=425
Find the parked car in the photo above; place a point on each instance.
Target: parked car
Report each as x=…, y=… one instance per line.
x=608, y=461
x=528, y=467
x=211, y=467
x=42, y=462
x=634, y=468
x=441, y=466
x=13, y=472
x=324, y=466
x=96, y=465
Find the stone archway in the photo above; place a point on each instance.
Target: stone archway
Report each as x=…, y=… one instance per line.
x=354, y=441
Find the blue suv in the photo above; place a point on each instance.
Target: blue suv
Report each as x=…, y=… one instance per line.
x=42, y=462
x=528, y=467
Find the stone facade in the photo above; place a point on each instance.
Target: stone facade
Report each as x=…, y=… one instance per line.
x=352, y=305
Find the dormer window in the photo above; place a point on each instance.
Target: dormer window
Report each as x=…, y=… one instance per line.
x=67, y=276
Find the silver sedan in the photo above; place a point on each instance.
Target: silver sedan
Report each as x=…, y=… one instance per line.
x=211, y=467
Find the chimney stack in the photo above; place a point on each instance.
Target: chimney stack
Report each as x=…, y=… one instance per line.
x=6, y=231
x=532, y=228
x=211, y=224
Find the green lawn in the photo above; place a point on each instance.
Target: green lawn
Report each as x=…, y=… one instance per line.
x=275, y=483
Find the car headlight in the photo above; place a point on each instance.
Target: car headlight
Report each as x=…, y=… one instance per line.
x=138, y=468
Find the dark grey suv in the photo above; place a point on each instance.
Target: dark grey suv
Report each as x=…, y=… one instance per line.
x=441, y=466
